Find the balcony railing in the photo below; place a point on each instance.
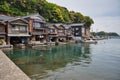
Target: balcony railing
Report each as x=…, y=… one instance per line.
x=38, y=32
x=52, y=32
x=19, y=31
x=39, y=28
x=69, y=34
x=2, y=32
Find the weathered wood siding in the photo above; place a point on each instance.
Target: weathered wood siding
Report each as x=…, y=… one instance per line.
x=2, y=28
x=61, y=31
x=19, y=23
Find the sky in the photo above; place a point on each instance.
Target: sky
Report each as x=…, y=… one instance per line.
x=105, y=13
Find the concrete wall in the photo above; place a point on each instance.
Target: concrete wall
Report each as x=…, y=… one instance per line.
x=9, y=71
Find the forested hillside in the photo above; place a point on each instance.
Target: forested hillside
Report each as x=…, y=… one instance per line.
x=102, y=33
x=51, y=12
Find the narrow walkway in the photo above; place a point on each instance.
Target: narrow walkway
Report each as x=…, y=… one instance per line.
x=9, y=71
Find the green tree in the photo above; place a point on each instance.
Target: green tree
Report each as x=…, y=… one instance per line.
x=112, y=34
x=51, y=12
x=88, y=21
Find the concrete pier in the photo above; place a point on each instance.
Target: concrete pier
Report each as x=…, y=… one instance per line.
x=9, y=71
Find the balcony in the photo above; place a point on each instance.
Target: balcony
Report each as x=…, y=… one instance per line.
x=38, y=28
x=18, y=31
x=61, y=34
x=52, y=32
x=2, y=30
x=2, y=33
x=44, y=32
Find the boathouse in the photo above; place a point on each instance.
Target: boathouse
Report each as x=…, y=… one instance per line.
x=14, y=30
x=52, y=33
x=37, y=28
x=2, y=33
x=61, y=33
x=68, y=33
x=3, y=28
x=17, y=31
x=32, y=29
x=79, y=30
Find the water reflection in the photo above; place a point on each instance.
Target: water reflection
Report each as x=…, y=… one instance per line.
x=37, y=63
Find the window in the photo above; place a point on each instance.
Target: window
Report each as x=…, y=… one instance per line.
x=22, y=28
x=60, y=30
x=37, y=25
x=19, y=27
x=83, y=30
x=2, y=28
x=77, y=28
x=77, y=34
x=52, y=31
x=15, y=27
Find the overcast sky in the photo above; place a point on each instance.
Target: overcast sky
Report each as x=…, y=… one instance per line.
x=105, y=13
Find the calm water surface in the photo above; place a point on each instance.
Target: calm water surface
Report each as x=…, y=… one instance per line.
x=99, y=61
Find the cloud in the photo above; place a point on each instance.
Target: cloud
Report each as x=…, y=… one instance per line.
x=108, y=24
x=92, y=8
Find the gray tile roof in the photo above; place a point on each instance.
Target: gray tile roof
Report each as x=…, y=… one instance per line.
x=49, y=24
x=17, y=18
x=5, y=18
x=58, y=24
x=66, y=26
x=35, y=16
x=1, y=22
x=77, y=24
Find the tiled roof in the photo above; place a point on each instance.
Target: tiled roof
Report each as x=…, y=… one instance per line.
x=77, y=24
x=35, y=16
x=58, y=24
x=51, y=24
x=2, y=33
x=66, y=26
x=5, y=18
x=18, y=18
x=1, y=22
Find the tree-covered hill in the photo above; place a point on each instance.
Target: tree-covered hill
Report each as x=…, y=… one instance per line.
x=102, y=33
x=51, y=12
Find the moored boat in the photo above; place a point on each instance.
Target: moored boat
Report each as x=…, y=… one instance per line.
x=88, y=41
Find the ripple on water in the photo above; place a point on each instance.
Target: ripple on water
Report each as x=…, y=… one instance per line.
x=71, y=62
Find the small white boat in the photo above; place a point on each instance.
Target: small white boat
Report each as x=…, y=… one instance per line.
x=89, y=41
